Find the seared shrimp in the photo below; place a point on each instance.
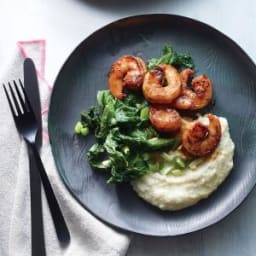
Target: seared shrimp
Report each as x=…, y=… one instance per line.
x=127, y=72
x=164, y=119
x=200, y=138
x=196, y=97
x=154, y=88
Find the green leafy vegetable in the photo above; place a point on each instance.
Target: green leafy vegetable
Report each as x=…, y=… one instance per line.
x=144, y=113
x=140, y=140
x=169, y=56
x=96, y=157
x=113, y=112
x=91, y=118
x=126, y=140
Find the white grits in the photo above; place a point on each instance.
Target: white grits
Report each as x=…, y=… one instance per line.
x=170, y=192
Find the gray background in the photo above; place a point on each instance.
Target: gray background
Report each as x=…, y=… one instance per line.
x=64, y=23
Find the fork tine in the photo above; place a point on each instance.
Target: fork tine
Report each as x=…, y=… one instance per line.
x=9, y=101
x=27, y=102
x=14, y=100
x=19, y=95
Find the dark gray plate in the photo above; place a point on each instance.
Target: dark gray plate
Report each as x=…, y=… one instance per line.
x=86, y=71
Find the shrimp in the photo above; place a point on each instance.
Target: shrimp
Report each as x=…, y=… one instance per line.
x=127, y=72
x=201, y=137
x=196, y=97
x=153, y=86
x=164, y=119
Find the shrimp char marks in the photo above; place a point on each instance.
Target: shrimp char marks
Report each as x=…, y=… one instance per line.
x=201, y=137
x=161, y=87
x=195, y=96
x=126, y=73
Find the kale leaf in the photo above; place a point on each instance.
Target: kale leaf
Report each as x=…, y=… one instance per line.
x=170, y=56
x=126, y=142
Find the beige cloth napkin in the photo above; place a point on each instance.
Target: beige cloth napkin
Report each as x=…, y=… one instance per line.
x=89, y=236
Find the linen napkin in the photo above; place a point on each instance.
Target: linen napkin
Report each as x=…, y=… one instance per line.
x=89, y=236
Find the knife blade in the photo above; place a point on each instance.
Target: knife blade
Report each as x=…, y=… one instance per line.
x=37, y=231
x=32, y=89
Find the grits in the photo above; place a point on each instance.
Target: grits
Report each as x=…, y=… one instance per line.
x=170, y=192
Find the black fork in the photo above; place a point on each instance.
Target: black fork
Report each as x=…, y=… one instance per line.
x=27, y=126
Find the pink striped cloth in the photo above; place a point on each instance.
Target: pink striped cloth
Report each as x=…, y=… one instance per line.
x=88, y=235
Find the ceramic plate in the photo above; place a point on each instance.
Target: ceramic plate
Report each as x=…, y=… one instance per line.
x=86, y=71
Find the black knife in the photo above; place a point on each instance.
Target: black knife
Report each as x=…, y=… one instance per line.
x=37, y=231
x=57, y=216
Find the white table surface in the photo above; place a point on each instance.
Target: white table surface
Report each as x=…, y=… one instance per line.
x=65, y=23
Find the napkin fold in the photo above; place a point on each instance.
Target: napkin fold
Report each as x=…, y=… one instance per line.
x=89, y=236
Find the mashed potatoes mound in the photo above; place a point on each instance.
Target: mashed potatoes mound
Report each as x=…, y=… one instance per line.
x=169, y=192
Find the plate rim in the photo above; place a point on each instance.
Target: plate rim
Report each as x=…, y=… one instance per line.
x=208, y=27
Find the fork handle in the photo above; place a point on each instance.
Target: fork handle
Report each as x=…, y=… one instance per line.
x=58, y=219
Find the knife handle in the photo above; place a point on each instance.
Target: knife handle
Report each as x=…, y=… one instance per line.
x=37, y=229
x=58, y=219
